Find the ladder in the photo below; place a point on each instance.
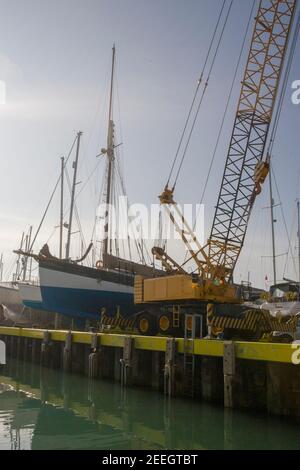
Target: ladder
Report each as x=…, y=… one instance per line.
x=176, y=316
x=193, y=329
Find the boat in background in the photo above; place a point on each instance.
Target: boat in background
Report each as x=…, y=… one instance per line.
x=31, y=295
x=12, y=310
x=10, y=297
x=284, y=300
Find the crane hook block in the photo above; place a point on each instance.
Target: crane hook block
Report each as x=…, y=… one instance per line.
x=261, y=172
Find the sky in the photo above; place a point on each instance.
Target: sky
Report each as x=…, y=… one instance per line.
x=55, y=60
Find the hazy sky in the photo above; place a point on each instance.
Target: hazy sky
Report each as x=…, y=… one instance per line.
x=55, y=60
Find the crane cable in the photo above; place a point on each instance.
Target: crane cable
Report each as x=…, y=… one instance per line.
x=284, y=86
x=202, y=97
x=227, y=106
x=196, y=92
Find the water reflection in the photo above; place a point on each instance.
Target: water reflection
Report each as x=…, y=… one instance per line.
x=45, y=409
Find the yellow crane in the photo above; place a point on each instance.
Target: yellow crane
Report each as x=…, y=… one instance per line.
x=246, y=169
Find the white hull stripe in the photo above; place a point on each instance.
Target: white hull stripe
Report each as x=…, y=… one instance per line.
x=57, y=279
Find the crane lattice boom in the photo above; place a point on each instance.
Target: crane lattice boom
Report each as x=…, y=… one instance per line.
x=241, y=180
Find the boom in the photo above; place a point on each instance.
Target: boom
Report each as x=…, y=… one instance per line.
x=245, y=168
x=241, y=182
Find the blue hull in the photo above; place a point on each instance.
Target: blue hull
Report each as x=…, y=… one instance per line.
x=86, y=304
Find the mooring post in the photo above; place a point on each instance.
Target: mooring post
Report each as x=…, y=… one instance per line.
x=45, y=349
x=67, y=355
x=126, y=361
x=18, y=347
x=169, y=369
x=229, y=373
x=34, y=351
x=156, y=370
x=5, y=339
x=25, y=349
x=94, y=357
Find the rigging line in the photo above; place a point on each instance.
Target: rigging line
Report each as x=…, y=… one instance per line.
x=120, y=173
x=88, y=179
x=52, y=234
x=288, y=253
x=121, y=182
x=98, y=203
x=283, y=215
x=203, y=94
x=76, y=213
x=227, y=106
x=51, y=198
x=118, y=102
x=284, y=86
x=123, y=191
x=196, y=92
x=256, y=232
x=8, y=271
x=101, y=200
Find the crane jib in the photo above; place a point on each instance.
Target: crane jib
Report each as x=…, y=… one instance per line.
x=250, y=132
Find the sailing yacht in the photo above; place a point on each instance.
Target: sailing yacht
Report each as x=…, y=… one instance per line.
x=79, y=291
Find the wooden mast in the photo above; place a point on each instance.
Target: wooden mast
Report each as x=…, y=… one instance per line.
x=107, y=247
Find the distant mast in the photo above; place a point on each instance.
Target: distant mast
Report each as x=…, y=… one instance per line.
x=273, y=221
x=109, y=151
x=75, y=166
x=61, y=225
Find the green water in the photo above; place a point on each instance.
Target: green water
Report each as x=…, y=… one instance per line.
x=44, y=409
